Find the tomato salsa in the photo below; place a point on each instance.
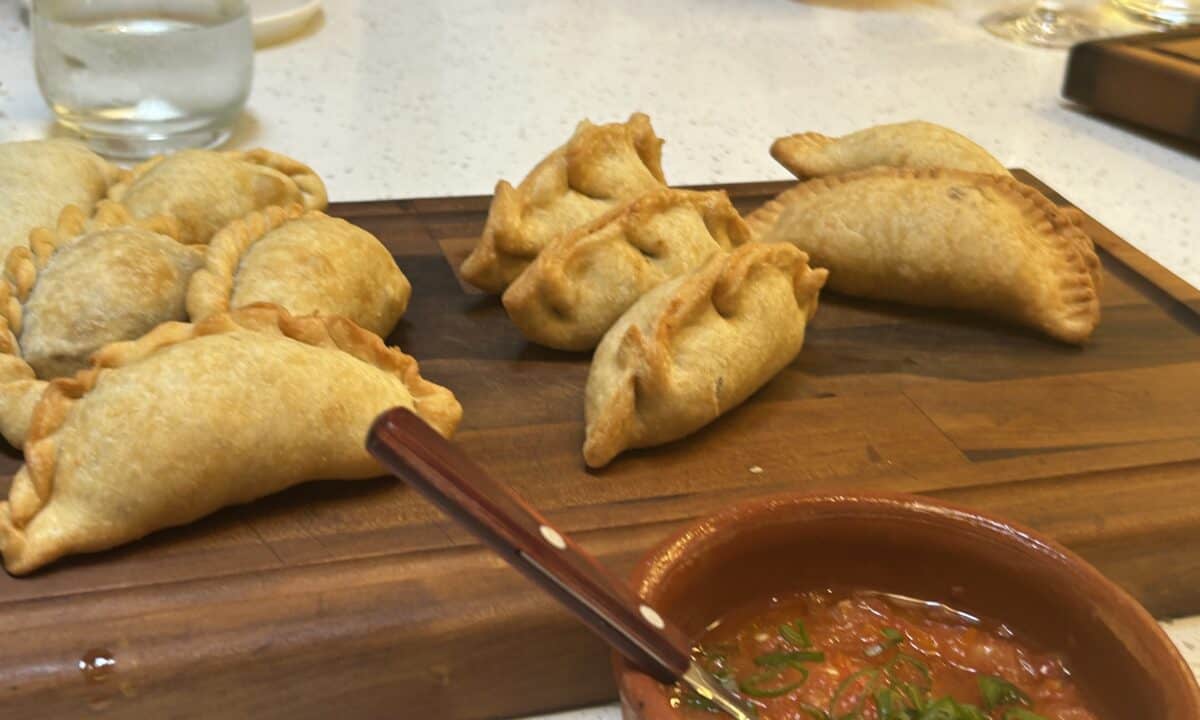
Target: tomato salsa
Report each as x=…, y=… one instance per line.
x=861, y=655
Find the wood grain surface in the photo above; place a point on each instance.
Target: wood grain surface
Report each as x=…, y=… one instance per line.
x=353, y=600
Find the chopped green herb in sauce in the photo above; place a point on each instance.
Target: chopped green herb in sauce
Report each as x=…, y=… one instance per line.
x=998, y=691
x=1021, y=714
x=795, y=633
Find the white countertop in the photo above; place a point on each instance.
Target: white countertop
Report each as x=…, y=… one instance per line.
x=429, y=97
x=433, y=97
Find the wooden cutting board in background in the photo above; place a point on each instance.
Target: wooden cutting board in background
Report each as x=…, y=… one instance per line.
x=359, y=600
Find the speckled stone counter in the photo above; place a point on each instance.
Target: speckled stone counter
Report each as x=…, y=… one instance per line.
x=429, y=97
x=440, y=97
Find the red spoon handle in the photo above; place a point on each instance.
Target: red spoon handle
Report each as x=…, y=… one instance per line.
x=416, y=453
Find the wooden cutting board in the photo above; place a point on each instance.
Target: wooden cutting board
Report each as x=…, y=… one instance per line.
x=358, y=600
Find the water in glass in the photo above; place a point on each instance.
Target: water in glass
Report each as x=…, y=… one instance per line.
x=140, y=77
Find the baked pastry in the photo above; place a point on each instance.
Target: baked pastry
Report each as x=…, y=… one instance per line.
x=20, y=391
x=696, y=346
x=206, y=189
x=190, y=418
x=600, y=166
x=41, y=177
x=913, y=144
x=73, y=289
x=944, y=238
x=306, y=262
x=582, y=282
x=89, y=283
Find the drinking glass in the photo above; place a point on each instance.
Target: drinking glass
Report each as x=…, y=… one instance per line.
x=137, y=78
x=1170, y=12
x=1048, y=23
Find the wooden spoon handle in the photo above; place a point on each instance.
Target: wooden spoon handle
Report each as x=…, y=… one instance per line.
x=441, y=472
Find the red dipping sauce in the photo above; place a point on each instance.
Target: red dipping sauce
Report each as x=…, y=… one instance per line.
x=860, y=655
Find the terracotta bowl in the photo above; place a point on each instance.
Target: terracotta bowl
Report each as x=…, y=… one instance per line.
x=1126, y=666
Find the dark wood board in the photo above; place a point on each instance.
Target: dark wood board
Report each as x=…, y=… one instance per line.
x=359, y=600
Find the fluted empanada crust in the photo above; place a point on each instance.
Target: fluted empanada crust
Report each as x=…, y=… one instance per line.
x=91, y=282
x=914, y=144
x=20, y=391
x=191, y=418
x=39, y=178
x=944, y=238
x=696, y=346
x=206, y=189
x=582, y=282
x=600, y=166
x=305, y=262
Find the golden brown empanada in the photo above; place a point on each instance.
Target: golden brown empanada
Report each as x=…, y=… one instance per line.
x=89, y=283
x=696, y=346
x=191, y=418
x=581, y=283
x=305, y=262
x=914, y=144
x=206, y=189
x=599, y=166
x=39, y=178
x=944, y=238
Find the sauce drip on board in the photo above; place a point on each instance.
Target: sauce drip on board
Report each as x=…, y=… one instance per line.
x=833, y=655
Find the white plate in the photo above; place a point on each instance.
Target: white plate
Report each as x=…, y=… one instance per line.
x=275, y=20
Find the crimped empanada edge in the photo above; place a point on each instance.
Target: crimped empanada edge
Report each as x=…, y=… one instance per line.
x=807, y=281
x=503, y=251
x=607, y=435
x=312, y=188
x=638, y=132
x=1079, y=287
x=33, y=486
x=790, y=151
x=20, y=391
x=18, y=382
x=483, y=266
x=646, y=143
x=210, y=289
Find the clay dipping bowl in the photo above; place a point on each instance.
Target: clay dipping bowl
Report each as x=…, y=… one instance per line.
x=1125, y=665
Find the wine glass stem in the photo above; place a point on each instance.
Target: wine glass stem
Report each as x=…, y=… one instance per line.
x=1046, y=11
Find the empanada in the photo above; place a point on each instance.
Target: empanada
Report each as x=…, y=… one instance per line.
x=89, y=283
x=206, y=189
x=944, y=238
x=581, y=283
x=599, y=166
x=191, y=418
x=39, y=178
x=305, y=262
x=914, y=144
x=696, y=346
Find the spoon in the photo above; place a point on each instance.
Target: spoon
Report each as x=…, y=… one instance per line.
x=441, y=472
